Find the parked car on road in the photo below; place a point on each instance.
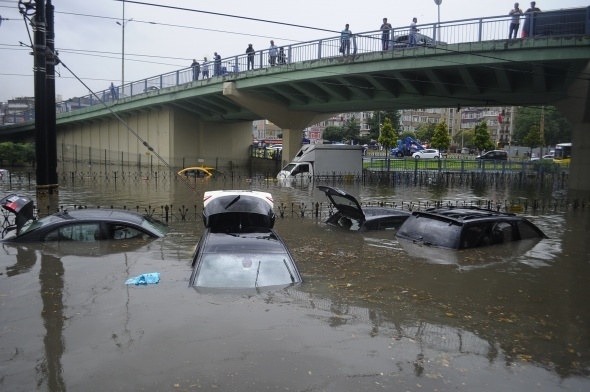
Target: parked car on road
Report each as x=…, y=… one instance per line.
x=402, y=41
x=351, y=216
x=494, y=155
x=239, y=249
x=466, y=227
x=426, y=153
x=84, y=225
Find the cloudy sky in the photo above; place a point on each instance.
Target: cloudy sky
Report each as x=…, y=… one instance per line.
x=159, y=40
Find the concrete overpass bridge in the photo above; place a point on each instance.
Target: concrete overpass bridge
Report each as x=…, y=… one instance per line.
x=212, y=118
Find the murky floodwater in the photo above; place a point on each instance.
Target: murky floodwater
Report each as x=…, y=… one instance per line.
x=373, y=314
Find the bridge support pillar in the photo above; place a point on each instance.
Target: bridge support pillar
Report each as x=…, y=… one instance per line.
x=577, y=110
x=291, y=122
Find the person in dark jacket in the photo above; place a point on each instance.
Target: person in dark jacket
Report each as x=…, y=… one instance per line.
x=250, y=52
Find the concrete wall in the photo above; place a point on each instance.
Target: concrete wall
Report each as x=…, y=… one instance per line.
x=175, y=135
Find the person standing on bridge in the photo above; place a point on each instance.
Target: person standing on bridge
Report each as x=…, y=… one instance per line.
x=205, y=68
x=282, y=56
x=385, y=29
x=273, y=52
x=345, y=36
x=529, y=15
x=250, y=52
x=515, y=21
x=413, y=31
x=114, y=92
x=216, y=64
x=196, y=69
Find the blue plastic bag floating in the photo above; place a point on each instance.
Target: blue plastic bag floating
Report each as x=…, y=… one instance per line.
x=145, y=279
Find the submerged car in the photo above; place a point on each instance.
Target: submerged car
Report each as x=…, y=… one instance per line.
x=199, y=172
x=466, y=227
x=239, y=248
x=84, y=225
x=351, y=216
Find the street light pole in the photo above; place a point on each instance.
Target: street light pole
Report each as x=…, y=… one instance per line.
x=438, y=2
x=123, y=23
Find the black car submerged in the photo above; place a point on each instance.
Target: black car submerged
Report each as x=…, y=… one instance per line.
x=84, y=225
x=351, y=216
x=466, y=227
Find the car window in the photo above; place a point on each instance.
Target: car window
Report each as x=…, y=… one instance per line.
x=121, y=232
x=75, y=232
x=229, y=270
x=526, y=230
x=430, y=231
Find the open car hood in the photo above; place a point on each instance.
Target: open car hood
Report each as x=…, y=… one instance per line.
x=238, y=211
x=21, y=206
x=344, y=202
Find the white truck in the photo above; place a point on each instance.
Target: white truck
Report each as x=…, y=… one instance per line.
x=327, y=160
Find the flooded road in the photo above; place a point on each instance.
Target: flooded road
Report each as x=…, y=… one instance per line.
x=373, y=313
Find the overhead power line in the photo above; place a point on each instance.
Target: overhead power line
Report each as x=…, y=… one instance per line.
x=229, y=15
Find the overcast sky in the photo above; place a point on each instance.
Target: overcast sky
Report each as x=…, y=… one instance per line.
x=160, y=40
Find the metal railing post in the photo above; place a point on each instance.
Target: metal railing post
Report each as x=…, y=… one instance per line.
x=479, y=38
x=319, y=49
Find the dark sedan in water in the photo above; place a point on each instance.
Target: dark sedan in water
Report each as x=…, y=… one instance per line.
x=466, y=227
x=351, y=216
x=77, y=225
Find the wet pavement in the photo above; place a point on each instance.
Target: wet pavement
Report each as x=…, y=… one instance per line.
x=373, y=313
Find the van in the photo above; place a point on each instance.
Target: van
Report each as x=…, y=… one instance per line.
x=494, y=155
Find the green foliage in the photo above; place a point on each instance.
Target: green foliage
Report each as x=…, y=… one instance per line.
x=533, y=138
x=333, y=134
x=557, y=128
x=481, y=137
x=17, y=152
x=351, y=130
x=406, y=134
x=394, y=117
x=425, y=132
x=388, y=136
x=441, y=139
x=464, y=138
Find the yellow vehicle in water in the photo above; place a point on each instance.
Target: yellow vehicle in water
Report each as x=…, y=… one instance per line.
x=199, y=172
x=563, y=153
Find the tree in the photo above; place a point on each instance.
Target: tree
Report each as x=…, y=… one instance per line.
x=481, y=137
x=351, y=130
x=424, y=132
x=441, y=139
x=533, y=138
x=394, y=117
x=333, y=133
x=557, y=128
x=464, y=138
x=406, y=134
x=388, y=136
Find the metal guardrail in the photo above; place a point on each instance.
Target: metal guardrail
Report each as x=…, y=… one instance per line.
x=567, y=22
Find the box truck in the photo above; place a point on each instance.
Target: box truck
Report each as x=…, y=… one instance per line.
x=315, y=160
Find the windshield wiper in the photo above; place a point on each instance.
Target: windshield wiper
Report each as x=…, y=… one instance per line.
x=290, y=274
x=257, y=272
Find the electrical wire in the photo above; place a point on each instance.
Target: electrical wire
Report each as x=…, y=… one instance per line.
x=120, y=119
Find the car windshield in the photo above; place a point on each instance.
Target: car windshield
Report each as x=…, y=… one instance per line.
x=232, y=270
x=154, y=225
x=36, y=224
